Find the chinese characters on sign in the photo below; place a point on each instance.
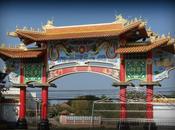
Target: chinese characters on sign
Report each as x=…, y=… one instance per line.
x=135, y=69
x=33, y=72
x=114, y=73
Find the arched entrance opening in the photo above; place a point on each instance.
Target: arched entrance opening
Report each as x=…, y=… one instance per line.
x=84, y=81
x=81, y=90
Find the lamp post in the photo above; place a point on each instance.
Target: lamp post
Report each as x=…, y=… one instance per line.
x=38, y=101
x=92, y=115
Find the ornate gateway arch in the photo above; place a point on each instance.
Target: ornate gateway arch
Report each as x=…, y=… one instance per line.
x=123, y=50
x=76, y=56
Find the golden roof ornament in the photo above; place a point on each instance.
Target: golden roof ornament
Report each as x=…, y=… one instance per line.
x=135, y=19
x=149, y=29
x=120, y=19
x=3, y=45
x=12, y=34
x=163, y=36
x=171, y=41
x=50, y=24
x=169, y=35
x=17, y=28
x=22, y=46
x=152, y=38
x=140, y=18
x=24, y=28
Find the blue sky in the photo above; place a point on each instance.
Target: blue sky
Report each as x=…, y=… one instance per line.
x=159, y=14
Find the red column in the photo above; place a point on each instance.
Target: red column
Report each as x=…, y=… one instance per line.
x=22, y=109
x=123, y=111
x=44, y=94
x=44, y=103
x=149, y=89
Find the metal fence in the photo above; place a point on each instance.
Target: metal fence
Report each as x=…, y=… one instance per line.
x=104, y=115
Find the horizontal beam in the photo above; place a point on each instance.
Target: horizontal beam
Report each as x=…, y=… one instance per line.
x=34, y=85
x=150, y=83
x=125, y=84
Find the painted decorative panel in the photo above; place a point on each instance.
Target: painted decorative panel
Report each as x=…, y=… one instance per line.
x=111, y=72
x=33, y=72
x=13, y=68
x=82, y=51
x=135, y=69
x=163, y=62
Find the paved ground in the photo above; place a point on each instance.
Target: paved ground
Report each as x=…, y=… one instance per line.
x=160, y=128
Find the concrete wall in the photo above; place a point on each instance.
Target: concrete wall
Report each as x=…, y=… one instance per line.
x=164, y=114
x=9, y=111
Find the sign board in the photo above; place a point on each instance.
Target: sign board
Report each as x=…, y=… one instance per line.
x=111, y=72
x=33, y=72
x=135, y=69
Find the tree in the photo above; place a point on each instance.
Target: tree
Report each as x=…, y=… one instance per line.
x=82, y=105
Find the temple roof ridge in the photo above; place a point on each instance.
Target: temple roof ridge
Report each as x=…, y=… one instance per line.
x=83, y=25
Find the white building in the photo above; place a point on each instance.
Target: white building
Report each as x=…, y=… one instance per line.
x=164, y=112
x=9, y=108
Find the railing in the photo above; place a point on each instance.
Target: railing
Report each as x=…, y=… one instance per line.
x=80, y=120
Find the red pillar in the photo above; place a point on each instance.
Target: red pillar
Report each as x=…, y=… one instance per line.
x=22, y=109
x=44, y=94
x=149, y=89
x=44, y=123
x=44, y=103
x=123, y=111
x=22, y=123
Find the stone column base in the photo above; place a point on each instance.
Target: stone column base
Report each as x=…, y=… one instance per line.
x=150, y=126
x=22, y=124
x=122, y=125
x=43, y=125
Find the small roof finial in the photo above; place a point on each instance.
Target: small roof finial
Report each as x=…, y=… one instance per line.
x=163, y=36
x=12, y=34
x=2, y=45
x=169, y=35
x=17, y=28
x=119, y=19
x=149, y=29
x=22, y=46
x=50, y=24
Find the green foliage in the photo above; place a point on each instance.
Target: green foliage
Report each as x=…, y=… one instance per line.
x=53, y=111
x=57, y=109
x=83, y=105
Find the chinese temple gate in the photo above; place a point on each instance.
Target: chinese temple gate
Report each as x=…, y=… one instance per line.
x=124, y=50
